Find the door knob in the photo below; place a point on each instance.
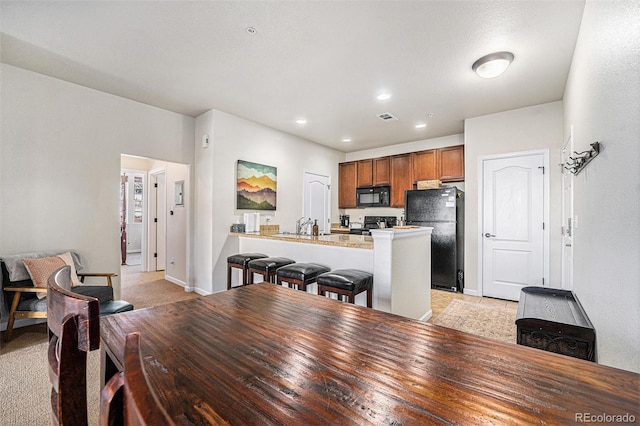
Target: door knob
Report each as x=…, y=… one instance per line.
x=488, y=235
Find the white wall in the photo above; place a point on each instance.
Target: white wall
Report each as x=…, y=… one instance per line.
x=602, y=102
x=232, y=139
x=60, y=163
x=536, y=127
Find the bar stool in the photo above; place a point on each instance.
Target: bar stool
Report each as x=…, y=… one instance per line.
x=300, y=274
x=241, y=261
x=347, y=282
x=267, y=267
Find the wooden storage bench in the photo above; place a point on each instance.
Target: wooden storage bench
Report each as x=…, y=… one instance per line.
x=554, y=320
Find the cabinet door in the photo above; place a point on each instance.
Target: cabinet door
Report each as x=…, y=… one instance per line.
x=426, y=165
x=347, y=180
x=400, y=178
x=365, y=172
x=452, y=164
x=381, y=171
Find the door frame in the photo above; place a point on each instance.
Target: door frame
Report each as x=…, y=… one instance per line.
x=567, y=176
x=151, y=236
x=546, y=209
x=145, y=210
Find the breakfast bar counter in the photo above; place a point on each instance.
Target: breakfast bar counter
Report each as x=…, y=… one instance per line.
x=338, y=240
x=399, y=259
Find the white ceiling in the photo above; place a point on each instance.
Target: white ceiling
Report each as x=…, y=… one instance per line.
x=322, y=60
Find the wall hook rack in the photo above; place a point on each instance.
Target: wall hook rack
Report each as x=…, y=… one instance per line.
x=581, y=159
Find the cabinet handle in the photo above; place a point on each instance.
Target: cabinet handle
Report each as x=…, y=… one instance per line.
x=488, y=235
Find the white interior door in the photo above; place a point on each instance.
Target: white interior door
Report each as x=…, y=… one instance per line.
x=317, y=200
x=157, y=222
x=567, y=217
x=513, y=225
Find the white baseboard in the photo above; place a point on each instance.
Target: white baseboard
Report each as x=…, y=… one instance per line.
x=175, y=281
x=426, y=316
x=471, y=292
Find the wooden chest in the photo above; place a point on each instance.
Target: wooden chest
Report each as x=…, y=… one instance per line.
x=554, y=320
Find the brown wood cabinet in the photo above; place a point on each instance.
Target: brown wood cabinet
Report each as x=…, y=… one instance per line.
x=400, y=171
x=381, y=171
x=426, y=165
x=401, y=178
x=452, y=164
x=365, y=173
x=347, y=183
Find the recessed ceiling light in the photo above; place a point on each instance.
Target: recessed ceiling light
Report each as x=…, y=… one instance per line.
x=421, y=125
x=346, y=140
x=251, y=31
x=383, y=96
x=301, y=121
x=493, y=64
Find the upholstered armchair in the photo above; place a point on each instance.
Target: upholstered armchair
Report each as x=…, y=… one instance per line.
x=23, y=298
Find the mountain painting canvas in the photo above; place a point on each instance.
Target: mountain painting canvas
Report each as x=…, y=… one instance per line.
x=256, y=186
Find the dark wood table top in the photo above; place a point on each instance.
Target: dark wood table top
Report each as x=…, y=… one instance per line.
x=265, y=354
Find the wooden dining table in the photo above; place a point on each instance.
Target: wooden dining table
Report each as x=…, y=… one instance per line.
x=264, y=354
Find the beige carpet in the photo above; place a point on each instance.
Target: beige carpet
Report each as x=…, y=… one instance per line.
x=24, y=377
x=492, y=322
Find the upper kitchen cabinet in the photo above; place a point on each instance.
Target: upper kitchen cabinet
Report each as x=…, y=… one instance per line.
x=452, y=164
x=347, y=183
x=381, y=171
x=365, y=173
x=426, y=165
x=401, y=178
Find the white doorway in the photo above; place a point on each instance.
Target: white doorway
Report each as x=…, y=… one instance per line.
x=567, y=216
x=317, y=200
x=132, y=215
x=513, y=245
x=156, y=255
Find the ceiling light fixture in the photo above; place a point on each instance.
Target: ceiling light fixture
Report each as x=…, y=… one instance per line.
x=493, y=64
x=346, y=140
x=301, y=121
x=251, y=31
x=421, y=126
x=383, y=96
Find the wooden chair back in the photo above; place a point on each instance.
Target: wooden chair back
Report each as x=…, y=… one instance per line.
x=141, y=406
x=74, y=330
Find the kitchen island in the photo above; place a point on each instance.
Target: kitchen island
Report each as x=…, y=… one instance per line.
x=399, y=259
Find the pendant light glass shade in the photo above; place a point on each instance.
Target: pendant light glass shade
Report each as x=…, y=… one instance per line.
x=492, y=65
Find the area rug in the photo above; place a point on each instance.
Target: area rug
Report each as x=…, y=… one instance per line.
x=492, y=322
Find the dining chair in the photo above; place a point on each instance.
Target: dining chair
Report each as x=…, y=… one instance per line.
x=74, y=330
x=141, y=406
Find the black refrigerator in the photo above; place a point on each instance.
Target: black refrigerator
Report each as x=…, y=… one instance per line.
x=442, y=209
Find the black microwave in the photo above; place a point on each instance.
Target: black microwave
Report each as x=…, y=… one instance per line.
x=373, y=196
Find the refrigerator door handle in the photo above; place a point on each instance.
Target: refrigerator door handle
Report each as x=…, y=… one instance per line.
x=488, y=235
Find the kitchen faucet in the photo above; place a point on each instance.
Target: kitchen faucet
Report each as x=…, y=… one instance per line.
x=300, y=226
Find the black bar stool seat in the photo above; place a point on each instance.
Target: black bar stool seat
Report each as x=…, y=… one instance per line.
x=267, y=267
x=241, y=261
x=347, y=282
x=300, y=274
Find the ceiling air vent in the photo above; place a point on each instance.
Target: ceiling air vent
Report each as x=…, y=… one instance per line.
x=385, y=116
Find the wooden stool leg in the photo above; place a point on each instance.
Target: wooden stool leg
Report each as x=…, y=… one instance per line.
x=228, y=277
x=370, y=297
x=245, y=275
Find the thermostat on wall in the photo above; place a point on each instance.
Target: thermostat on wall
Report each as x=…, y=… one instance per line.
x=205, y=141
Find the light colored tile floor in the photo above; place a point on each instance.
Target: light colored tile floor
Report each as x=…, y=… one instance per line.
x=440, y=299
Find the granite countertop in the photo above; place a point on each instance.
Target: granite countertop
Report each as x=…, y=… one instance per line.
x=338, y=240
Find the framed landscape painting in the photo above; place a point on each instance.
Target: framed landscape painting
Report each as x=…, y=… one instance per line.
x=256, y=188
